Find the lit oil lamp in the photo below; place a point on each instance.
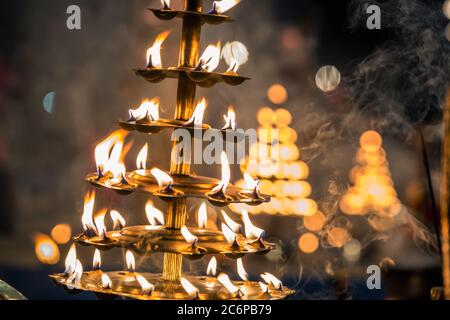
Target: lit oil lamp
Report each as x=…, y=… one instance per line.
x=118, y=221
x=96, y=261
x=218, y=193
x=154, y=52
x=130, y=261
x=253, y=185
x=87, y=218
x=166, y=4
x=231, y=237
x=272, y=280
x=106, y=282
x=190, y=289
x=99, y=220
x=234, y=226
x=148, y=111
x=141, y=159
x=210, y=58
x=202, y=216
x=197, y=116
x=103, y=149
x=75, y=277
x=211, y=272
x=71, y=260
x=219, y=7
x=229, y=286
x=165, y=182
x=155, y=217
x=230, y=119
x=146, y=287
x=251, y=231
x=189, y=237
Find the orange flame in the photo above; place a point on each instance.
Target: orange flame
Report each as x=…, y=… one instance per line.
x=250, y=183
x=264, y=287
x=154, y=215
x=97, y=260
x=71, y=260
x=141, y=160
x=131, y=261
x=103, y=149
x=166, y=4
x=234, y=226
x=189, y=288
x=154, y=52
x=241, y=270
x=197, y=115
x=234, y=65
x=100, y=223
x=148, y=109
x=230, y=119
x=75, y=276
x=210, y=58
x=271, y=279
x=188, y=236
x=86, y=218
x=226, y=282
x=118, y=221
x=228, y=234
x=212, y=267
x=251, y=231
x=225, y=175
x=224, y=5
x=164, y=180
x=106, y=281
x=146, y=287
x=202, y=216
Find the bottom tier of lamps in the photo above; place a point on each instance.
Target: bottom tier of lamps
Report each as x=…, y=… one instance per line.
x=125, y=284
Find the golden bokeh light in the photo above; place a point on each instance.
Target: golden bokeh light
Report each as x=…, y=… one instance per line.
x=304, y=207
x=288, y=135
x=277, y=94
x=265, y=117
x=61, y=233
x=46, y=249
x=283, y=118
x=308, y=243
x=315, y=222
x=337, y=237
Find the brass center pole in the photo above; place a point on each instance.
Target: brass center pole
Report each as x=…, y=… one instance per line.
x=445, y=193
x=189, y=52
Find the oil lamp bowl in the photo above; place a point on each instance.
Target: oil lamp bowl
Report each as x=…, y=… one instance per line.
x=144, y=239
x=169, y=14
x=201, y=78
x=191, y=186
x=126, y=286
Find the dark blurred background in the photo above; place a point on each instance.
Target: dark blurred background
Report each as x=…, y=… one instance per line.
x=62, y=90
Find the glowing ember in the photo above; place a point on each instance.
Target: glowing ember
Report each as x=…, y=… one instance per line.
x=220, y=7
x=235, y=227
x=210, y=58
x=86, y=218
x=106, y=281
x=154, y=215
x=71, y=260
x=100, y=223
x=154, y=52
x=189, y=288
x=226, y=282
x=230, y=119
x=146, y=287
x=118, y=221
x=229, y=234
x=141, y=160
x=46, y=249
x=251, y=231
x=225, y=175
x=241, y=270
x=131, y=261
x=212, y=267
x=149, y=109
x=271, y=279
x=188, y=236
x=163, y=179
x=197, y=115
x=97, y=260
x=202, y=216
